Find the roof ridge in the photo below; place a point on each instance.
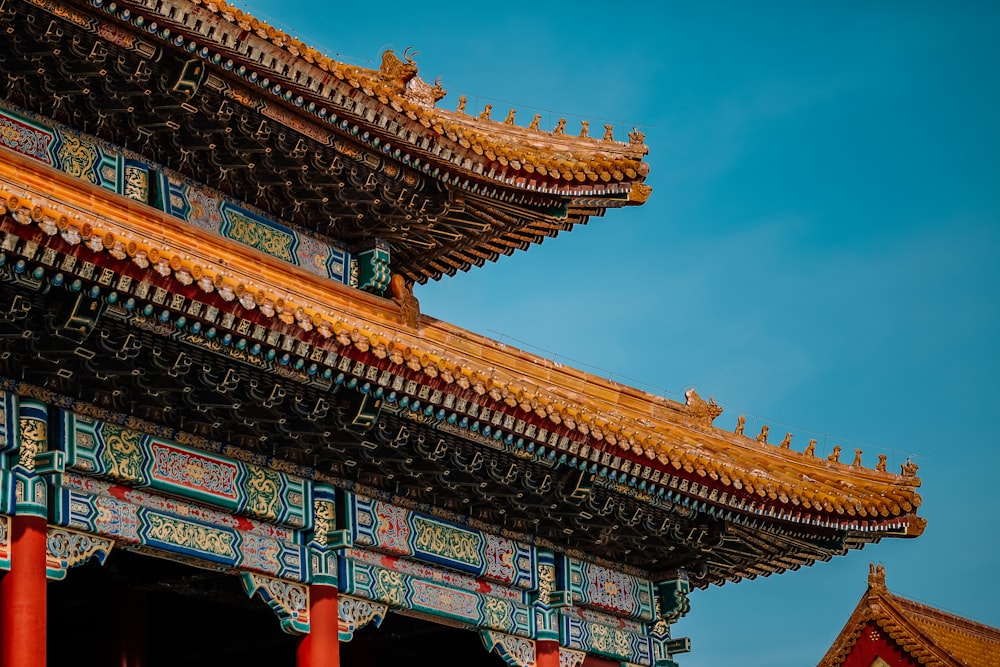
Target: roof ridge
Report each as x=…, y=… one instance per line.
x=992, y=633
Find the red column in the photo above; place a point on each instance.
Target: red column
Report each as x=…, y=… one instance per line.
x=23, y=596
x=594, y=661
x=321, y=648
x=302, y=653
x=128, y=641
x=546, y=653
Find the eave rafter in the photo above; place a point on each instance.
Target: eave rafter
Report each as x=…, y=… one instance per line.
x=587, y=465
x=274, y=149
x=631, y=520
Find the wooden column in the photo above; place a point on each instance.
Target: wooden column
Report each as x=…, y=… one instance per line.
x=302, y=653
x=128, y=641
x=321, y=647
x=23, y=596
x=546, y=653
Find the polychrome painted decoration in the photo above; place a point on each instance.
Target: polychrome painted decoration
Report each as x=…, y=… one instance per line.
x=137, y=459
x=380, y=582
x=4, y=542
x=400, y=532
x=438, y=575
x=129, y=175
x=140, y=518
x=22, y=135
x=68, y=151
x=8, y=442
x=601, y=588
x=624, y=641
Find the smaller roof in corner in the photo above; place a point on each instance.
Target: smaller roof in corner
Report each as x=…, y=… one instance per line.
x=889, y=630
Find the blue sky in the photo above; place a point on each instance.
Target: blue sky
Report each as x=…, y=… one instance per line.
x=820, y=251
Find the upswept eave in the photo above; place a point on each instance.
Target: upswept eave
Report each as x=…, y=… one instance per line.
x=557, y=154
x=345, y=152
x=735, y=472
x=566, y=164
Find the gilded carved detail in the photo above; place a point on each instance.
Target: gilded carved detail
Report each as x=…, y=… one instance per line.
x=876, y=576
x=190, y=535
x=609, y=640
x=69, y=548
x=263, y=491
x=356, y=613
x=123, y=455
x=447, y=542
x=391, y=587
x=546, y=582
x=323, y=520
x=77, y=158
x=33, y=438
x=267, y=239
x=571, y=658
x=4, y=542
x=289, y=600
x=515, y=651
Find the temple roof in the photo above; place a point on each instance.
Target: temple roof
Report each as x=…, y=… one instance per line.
x=929, y=636
x=338, y=151
x=756, y=507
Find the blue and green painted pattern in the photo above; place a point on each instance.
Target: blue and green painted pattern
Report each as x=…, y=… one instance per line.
x=438, y=575
x=395, y=530
x=133, y=517
x=373, y=267
x=140, y=460
x=591, y=585
x=8, y=443
x=218, y=510
x=619, y=643
x=402, y=591
x=128, y=174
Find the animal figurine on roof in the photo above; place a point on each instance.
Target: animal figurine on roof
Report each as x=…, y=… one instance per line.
x=402, y=293
x=395, y=72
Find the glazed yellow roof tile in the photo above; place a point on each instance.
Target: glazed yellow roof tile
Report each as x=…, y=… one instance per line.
x=643, y=427
x=556, y=155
